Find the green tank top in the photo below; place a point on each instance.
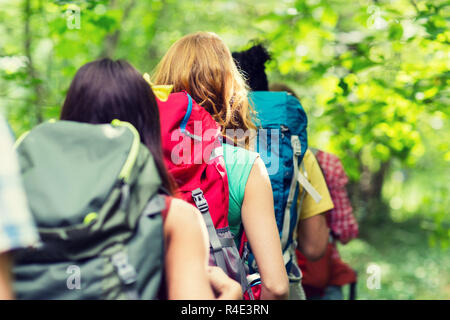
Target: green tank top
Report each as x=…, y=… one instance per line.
x=239, y=163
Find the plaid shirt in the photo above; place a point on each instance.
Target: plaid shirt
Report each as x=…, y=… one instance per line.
x=340, y=219
x=17, y=229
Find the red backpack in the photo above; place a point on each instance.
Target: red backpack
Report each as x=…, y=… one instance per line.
x=193, y=154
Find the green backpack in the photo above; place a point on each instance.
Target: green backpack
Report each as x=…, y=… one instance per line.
x=93, y=191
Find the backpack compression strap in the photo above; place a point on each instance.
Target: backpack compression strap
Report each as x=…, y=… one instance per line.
x=217, y=244
x=297, y=151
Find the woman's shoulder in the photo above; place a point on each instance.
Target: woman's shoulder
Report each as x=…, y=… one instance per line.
x=239, y=163
x=179, y=213
x=174, y=205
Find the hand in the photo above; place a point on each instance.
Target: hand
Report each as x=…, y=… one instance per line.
x=223, y=286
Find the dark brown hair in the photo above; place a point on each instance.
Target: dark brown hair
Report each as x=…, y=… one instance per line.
x=104, y=90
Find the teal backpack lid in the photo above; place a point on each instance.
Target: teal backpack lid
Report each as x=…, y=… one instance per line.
x=279, y=108
x=267, y=104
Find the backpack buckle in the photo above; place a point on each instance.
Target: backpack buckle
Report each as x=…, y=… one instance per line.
x=200, y=200
x=296, y=145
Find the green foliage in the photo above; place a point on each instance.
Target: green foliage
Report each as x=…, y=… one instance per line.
x=410, y=270
x=370, y=66
x=373, y=76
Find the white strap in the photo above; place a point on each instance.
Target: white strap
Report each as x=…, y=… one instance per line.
x=289, y=253
x=302, y=196
x=294, y=273
x=286, y=256
x=308, y=187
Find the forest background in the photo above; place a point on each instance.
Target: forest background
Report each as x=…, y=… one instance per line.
x=373, y=77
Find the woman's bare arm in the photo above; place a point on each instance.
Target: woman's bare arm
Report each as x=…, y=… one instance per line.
x=187, y=251
x=258, y=218
x=5, y=277
x=186, y=243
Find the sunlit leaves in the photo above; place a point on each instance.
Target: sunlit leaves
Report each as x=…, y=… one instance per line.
x=373, y=75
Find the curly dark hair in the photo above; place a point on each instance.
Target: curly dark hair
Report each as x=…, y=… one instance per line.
x=251, y=62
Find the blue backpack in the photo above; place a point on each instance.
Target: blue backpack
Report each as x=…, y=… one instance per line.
x=282, y=143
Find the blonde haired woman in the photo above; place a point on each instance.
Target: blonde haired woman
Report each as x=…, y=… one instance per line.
x=202, y=65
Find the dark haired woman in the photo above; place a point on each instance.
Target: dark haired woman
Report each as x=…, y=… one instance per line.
x=105, y=90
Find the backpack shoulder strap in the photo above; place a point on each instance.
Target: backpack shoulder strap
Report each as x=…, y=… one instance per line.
x=217, y=244
x=296, y=150
x=214, y=241
x=187, y=114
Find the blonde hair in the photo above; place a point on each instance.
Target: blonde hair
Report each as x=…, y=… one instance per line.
x=201, y=64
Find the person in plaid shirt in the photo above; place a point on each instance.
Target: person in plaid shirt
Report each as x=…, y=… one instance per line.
x=17, y=229
x=324, y=278
x=341, y=220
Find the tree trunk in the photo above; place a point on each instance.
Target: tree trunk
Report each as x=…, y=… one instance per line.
x=35, y=81
x=367, y=199
x=153, y=52
x=111, y=40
